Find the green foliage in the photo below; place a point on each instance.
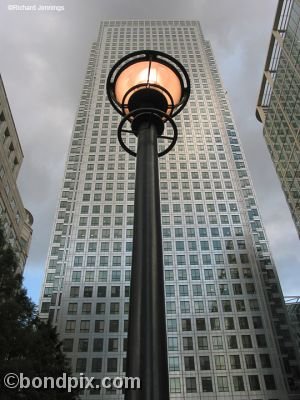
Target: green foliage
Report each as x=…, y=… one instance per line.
x=27, y=345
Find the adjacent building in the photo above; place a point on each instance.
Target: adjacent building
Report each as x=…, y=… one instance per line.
x=15, y=220
x=293, y=307
x=278, y=106
x=228, y=335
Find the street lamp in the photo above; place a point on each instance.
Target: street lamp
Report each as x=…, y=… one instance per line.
x=148, y=88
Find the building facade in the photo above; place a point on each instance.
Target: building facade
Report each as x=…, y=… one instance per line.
x=293, y=308
x=15, y=220
x=228, y=336
x=278, y=105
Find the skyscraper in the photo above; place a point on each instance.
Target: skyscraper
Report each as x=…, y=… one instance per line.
x=278, y=106
x=226, y=319
x=15, y=220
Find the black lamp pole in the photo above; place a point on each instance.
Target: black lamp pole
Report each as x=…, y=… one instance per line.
x=147, y=340
x=147, y=110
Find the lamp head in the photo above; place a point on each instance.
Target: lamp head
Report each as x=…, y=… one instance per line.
x=148, y=79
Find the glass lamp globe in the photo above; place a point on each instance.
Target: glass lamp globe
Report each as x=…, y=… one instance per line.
x=147, y=83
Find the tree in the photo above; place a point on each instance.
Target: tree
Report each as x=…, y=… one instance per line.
x=27, y=345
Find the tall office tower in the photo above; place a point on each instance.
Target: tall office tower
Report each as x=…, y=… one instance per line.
x=226, y=322
x=278, y=106
x=15, y=220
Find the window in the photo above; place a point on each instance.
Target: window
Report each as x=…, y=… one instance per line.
x=207, y=384
x=215, y=324
x=76, y=276
x=257, y=322
x=246, y=341
x=208, y=274
x=219, y=259
x=83, y=345
x=222, y=383
x=254, y=382
x=200, y=324
x=238, y=383
x=170, y=290
x=265, y=361
x=99, y=326
x=113, y=344
x=81, y=365
x=202, y=342
x=234, y=273
x=101, y=291
x=224, y=290
x=89, y=276
x=204, y=363
x=232, y=342
x=171, y=325
x=78, y=263
x=250, y=361
x=189, y=363
x=86, y=308
x=114, y=308
x=226, y=305
x=184, y=307
x=170, y=307
x=210, y=290
x=220, y=362
x=191, y=386
x=115, y=291
x=217, y=342
x=98, y=345
x=70, y=326
x=261, y=340
x=212, y=306
x=174, y=363
x=85, y=326
x=88, y=291
x=250, y=288
x=183, y=290
x=237, y=288
x=195, y=274
x=114, y=325
x=187, y=343
x=182, y=275
x=197, y=290
x=186, y=324
x=96, y=365
x=253, y=304
x=116, y=276
x=175, y=385
x=204, y=245
x=235, y=362
x=240, y=305
x=173, y=343
x=270, y=382
x=243, y=323
x=72, y=308
x=112, y=365
x=74, y=291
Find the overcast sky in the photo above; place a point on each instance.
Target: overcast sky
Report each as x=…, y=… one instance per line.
x=43, y=59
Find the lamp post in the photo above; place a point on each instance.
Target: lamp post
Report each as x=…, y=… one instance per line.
x=148, y=88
